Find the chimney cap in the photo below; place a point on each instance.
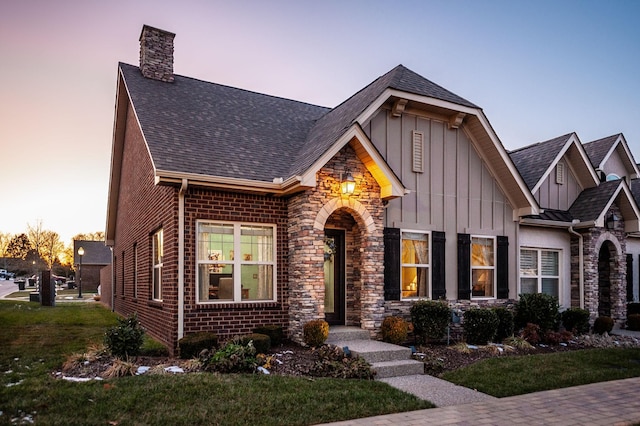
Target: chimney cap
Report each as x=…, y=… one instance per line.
x=150, y=28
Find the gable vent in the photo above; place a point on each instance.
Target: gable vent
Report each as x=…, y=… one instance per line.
x=560, y=172
x=418, y=152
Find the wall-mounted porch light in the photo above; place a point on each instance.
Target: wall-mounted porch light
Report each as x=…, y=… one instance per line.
x=348, y=185
x=612, y=221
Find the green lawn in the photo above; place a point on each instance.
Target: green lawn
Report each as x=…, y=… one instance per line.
x=35, y=340
x=510, y=376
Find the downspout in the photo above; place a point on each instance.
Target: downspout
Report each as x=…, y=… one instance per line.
x=113, y=285
x=580, y=261
x=181, y=193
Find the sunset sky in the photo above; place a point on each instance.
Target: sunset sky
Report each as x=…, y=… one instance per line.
x=539, y=69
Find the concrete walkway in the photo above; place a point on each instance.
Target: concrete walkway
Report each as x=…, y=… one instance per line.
x=607, y=403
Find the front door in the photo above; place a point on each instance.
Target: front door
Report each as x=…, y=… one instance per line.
x=334, y=276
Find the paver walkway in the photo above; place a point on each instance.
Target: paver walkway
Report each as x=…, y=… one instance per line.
x=607, y=403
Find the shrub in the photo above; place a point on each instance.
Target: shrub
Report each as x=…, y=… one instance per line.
x=576, y=320
x=126, y=338
x=480, y=325
x=233, y=357
x=333, y=362
x=191, y=345
x=531, y=333
x=394, y=330
x=275, y=333
x=602, y=325
x=505, y=323
x=261, y=342
x=633, y=322
x=517, y=342
x=633, y=308
x=537, y=308
x=315, y=332
x=430, y=319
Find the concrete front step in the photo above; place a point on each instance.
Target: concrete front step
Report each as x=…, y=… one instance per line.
x=346, y=333
x=407, y=367
x=386, y=359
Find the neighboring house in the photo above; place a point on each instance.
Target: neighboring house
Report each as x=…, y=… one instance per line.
x=230, y=209
x=96, y=256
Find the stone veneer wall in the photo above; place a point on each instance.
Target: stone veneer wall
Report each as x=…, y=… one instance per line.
x=593, y=240
x=156, y=54
x=308, y=215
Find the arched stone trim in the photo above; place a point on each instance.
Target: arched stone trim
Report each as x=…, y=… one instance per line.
x=357, y=207
x=608, y=236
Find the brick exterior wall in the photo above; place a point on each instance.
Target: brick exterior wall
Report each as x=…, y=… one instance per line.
x=143, y=208
x=309, y=213
x=229, y=319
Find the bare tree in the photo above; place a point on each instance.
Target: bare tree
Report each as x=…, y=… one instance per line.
x=51, y=248
x=36, y=236
x=5, y=238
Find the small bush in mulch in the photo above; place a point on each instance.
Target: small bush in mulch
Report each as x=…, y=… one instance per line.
x=633, y=322
x=576, y=320
x=430, y=319
x=480, y=325
x=394, y=330
x=333, y=362
x=315, y=333
x=603, y=325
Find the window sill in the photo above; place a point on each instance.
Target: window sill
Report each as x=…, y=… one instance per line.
x=155, y=304
x=210, y=306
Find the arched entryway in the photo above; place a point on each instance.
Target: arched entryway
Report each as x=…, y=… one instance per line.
x=606, y=258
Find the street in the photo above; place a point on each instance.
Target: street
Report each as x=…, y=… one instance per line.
x=8, y=287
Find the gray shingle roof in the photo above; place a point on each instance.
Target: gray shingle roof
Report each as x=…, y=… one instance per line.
x=193, y=126
x=95, y=252
x=553, y=215
x=635, y=190
x=596, y=150
x=592, y=201
x=534, y=160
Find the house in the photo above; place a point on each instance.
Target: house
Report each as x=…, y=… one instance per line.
x=95, y=256
x=230, y=209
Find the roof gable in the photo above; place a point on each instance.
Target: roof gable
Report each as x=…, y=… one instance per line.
x=592, y=205
x=600, y=151
x=536, y=162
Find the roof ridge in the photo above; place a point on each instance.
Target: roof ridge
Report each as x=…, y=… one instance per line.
x=535, y=144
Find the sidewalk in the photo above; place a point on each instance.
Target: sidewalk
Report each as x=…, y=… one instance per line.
x=607, y=403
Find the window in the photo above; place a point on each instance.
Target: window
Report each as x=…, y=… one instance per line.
x=158, y=254
x=123, y=280
x=612, y=176
x=135, y=270
x=539, y=271
x=415, y=265
x=483, y=267
x=236, y=262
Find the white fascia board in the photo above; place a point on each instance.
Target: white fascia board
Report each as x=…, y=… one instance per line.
x=545, y=223
x=533, y=204
x=375, y=105
x=623, y=143
x=395, y=187
x=171, y=177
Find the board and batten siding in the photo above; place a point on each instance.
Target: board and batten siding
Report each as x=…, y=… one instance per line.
x=559, y=196
x=456, y=193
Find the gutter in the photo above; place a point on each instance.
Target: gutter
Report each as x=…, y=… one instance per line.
x=580, y=261
x=181, y=194
x=113, y=284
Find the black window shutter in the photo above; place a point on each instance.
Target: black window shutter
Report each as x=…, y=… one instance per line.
x=502, y=273
x=438, y=288
x=629, y=278
x=391, y=263
x=464, y=266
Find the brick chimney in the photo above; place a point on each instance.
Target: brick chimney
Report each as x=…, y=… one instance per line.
x=156, y=53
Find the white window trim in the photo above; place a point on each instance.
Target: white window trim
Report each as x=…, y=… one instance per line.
x=237, y=262
x=160, y=265
x=539, y=276
x=402, y=265
x=493, y=268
